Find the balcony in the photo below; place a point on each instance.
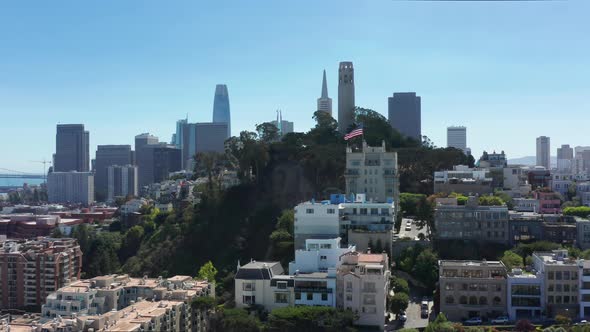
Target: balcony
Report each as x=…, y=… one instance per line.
x=313, y=290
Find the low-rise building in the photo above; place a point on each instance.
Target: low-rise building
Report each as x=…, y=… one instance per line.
x=133, y=206
x=263, y=283
x=464, y=180
x=584, y=286
x=472, y=289
x=560, y=282
x=121, y=303
x=319, y=255
x=472, y=222
x=549, y=202
x=526, y=205
x=525, y=298
x=362, y=286
x=583, y=233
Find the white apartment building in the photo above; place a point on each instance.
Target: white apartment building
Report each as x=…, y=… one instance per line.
x=463, y=179
x=363, y=285
x=315, y=221
x=319, y=255
x=357, y=221
x=133, y=205
x=543, y=152
x=70, y=187
x=263, y=283
x=526, y=204
x=525, y=297
x=374, y=172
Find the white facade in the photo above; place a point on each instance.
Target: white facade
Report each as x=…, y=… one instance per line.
x=70, y=187
x=526, y=205
x=315, y=221
x=543, y=152
x=319, y=255
x=525, y=298
x=133, y=205
x=374, y=172
x=457, y=137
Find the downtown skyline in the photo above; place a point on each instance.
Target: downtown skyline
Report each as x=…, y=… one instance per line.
x=507, y=78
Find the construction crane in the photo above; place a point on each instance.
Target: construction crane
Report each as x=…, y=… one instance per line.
x=44, y=162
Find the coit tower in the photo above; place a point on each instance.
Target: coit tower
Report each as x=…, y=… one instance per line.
x=345, y=96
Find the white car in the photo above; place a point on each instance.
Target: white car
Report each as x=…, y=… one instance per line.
x=408, y=228
x=473, y=321
x=500, y=320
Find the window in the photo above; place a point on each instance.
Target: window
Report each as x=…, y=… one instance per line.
x=550, y=299
x=483, y=300
x=348, y=297
x=247, y=299
x=249, y=286
x=281, y=298
x=363, y=211
x=449, y=300
x=324, y=296
x=497, y=300
x=331, y=211
x=566, y=288
x=369, y=299
x=325, y=246
x=323, y=258
x=309, y=296
x=282, y=285
x=463, y=299
x=558, y=288
x=449, y=287
x=551, y=275
x=473, y=300
x=309, y=211
x=550, y=288
x=566, y=275
x=297, y=295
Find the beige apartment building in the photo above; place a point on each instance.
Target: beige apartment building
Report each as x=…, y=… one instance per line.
x=472, y=289
x=106, y=301
x=362, y=285
x=561, y=282
x=373, y=171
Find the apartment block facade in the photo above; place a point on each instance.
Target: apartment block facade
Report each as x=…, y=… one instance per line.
x=32, y=269
x=472, y=289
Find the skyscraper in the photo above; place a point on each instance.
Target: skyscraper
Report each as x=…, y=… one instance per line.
x=565, y=157
x=325, y=102
x=457, y=137
x=202, y=137
x=109, y=155
x=144, y=139
x=543, y=152
x=221, y=107
x=405, y=114
x=345, y=96
x=122, y=181
x=284, y=126
x=178, y=136
x=71, y=149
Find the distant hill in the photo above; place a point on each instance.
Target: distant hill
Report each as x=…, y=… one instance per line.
x=530, y=161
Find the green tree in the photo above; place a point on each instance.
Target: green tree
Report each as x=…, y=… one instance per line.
x=579, y=211
x=511, y=260
x=490, y=201
x=207, y=272
x=399, y=303
x=308, y=318
x=399, y=285
x=426, y=268
x=409, y=203
x=267, y=132
x=238, y=320
x=131, y=242
x=425, y=216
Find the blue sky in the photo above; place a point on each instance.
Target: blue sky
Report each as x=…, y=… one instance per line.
x=509, y=71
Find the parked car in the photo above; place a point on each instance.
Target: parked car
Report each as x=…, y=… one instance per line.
x=408, y=228
x=473, y=321
x=500, y=320
x=402, y=317
x=424, y=313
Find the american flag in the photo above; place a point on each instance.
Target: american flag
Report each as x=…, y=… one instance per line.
x=357, y=132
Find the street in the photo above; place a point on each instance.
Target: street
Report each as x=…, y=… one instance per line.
x=413, y=312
